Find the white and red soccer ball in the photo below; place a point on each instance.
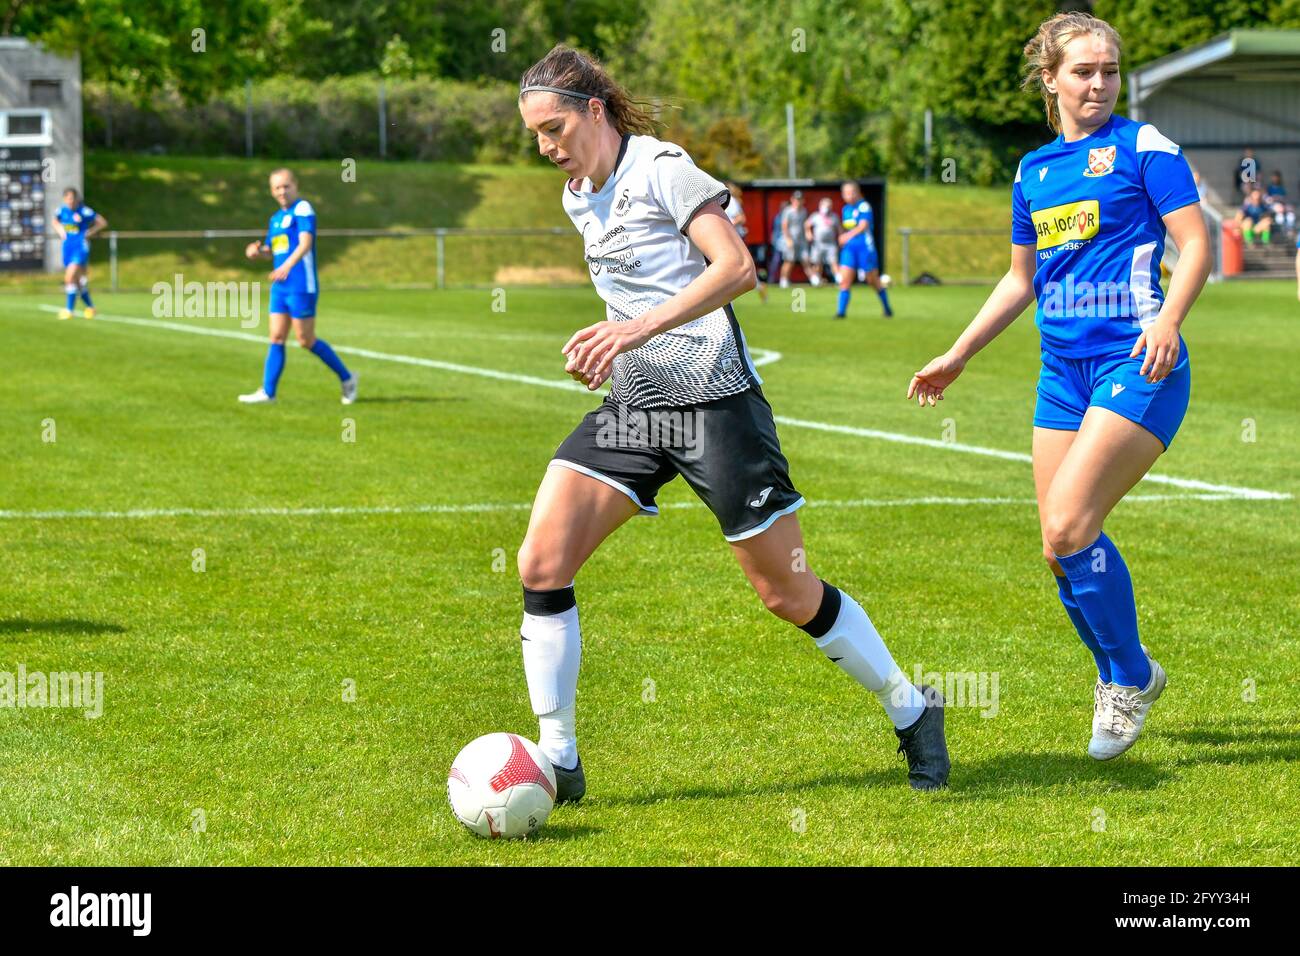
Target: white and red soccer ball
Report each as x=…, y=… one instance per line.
x=501, y=785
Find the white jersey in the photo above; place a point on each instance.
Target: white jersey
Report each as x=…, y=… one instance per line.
x=639, y=256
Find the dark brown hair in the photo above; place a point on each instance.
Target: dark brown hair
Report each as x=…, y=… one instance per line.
x=568, y=69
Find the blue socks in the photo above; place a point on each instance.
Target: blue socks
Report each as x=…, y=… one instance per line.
x=843, y=306
x=326, y=354
x=1085, y=632
x=71, y=290
x=274, y=366
x=1102, y=588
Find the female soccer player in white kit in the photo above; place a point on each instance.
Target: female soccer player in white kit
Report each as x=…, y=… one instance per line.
x=1090, y=212
x=667, y=262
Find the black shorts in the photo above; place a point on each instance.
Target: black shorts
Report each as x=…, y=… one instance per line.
x=727, y=451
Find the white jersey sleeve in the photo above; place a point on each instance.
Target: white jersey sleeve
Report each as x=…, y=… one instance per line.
x=680, y=187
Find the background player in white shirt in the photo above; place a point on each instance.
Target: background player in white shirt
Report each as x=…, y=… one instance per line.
x=668, y=263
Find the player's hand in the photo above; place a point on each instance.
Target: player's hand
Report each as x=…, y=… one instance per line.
x=1162, y=346
x=280, y=274
x=928, y=384
x=591, y=351
x=842, y=238
x=253, y=250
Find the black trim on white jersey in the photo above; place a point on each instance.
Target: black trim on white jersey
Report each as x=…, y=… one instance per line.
x=724, y=196
x=742, y=347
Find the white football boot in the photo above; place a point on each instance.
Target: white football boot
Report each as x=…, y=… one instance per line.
x=349, y=390
x=1099, y=695
x=257, y=398
x=1123, y=712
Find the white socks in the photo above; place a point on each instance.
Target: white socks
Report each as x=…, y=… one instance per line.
x=552, y=645
x=855, y=646
x=558, y=738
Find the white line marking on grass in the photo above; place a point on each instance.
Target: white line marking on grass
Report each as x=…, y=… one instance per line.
x=1192, y=484
x=344, y=510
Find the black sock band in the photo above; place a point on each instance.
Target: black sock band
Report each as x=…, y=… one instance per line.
x=544, y=603
x=825, y=617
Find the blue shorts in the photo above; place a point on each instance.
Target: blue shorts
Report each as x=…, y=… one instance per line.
x=861, y=258
x=296, y=305
x=76, y=255
x=1067, y=387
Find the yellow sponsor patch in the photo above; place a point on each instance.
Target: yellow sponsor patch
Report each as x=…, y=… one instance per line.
x=1066, y=222
x=280, y=243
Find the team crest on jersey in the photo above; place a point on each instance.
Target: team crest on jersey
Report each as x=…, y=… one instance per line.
x=623, y=202
x=1101, y=161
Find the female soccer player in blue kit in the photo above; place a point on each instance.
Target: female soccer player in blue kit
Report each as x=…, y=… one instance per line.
x=1090, y=212
x=291, y=245
x=75, y=223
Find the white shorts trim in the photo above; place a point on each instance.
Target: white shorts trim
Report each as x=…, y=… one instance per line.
x=652, y=510
x=759, y=529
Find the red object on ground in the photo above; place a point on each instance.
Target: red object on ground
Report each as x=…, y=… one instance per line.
x=1234, y=258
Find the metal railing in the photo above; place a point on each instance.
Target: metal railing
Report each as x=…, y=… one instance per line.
x=439, y=234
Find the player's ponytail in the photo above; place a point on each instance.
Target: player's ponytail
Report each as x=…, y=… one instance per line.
x=1047, y=49
x=577, y=77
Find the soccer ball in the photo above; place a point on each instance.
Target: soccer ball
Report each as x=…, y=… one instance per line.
x=501, y=785
x=885, y=280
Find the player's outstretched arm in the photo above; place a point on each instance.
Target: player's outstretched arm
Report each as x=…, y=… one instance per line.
x=96, y=227
x=257, y=249
x=591, y=351
x=1009, y=298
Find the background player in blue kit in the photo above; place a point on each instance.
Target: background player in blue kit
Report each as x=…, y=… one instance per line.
x=290, y=242
x=1090, y=212
x=858, y=256
x=75, y=223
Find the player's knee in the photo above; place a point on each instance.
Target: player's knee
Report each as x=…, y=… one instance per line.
x=1068, y=530
x=789, y=603
x=541, y=569
x=305, y=339
x=1050, y=557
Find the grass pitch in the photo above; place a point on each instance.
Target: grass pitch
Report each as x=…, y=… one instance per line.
x=711, y=732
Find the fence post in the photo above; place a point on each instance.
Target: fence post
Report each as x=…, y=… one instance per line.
x=248, y=118
x=383, y=121
x=442, y=278
x=906, y=233
x=112, y=260
x=929, y=141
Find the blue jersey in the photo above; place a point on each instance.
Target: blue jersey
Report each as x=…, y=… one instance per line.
x=75, y=222
x=282, y=236
x=1092, y=210
x=853, y=214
